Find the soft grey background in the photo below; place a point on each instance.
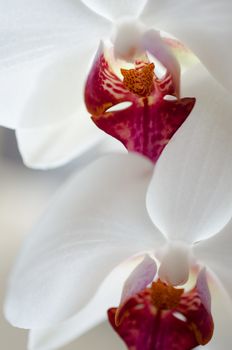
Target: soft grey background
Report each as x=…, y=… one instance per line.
x=24, y=194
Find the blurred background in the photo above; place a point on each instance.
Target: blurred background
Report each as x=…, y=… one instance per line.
x=24, y=194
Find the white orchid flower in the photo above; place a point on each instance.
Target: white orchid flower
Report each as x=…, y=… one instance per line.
x=47, y=46
x=118, y=208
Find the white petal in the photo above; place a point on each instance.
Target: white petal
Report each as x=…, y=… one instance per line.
x=190, y=194
x=37, y=28
x=203, y=26
x=114, y=10
x=45, y=92
x=32, y=34
x=16, y=86
x=95, y=312
x=101, y=337
x=58, y=93
x=44, y=148
x=97, y=221
x=216, y=253
x=184, y=55
x=222, y=315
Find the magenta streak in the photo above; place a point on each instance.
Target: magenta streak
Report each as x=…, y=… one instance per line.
x=145, y=124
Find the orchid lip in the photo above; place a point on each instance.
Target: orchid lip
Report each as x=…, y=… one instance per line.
x=146, y=316
x=149, y=123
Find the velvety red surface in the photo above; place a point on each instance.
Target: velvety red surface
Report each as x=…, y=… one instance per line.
x=144, y=327
x=148, y=124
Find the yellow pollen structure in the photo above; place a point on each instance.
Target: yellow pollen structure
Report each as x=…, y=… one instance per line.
x=164, y=296
x=139, y=80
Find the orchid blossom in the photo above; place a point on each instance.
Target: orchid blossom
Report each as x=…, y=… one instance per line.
x=120, y=207
x=47, y=47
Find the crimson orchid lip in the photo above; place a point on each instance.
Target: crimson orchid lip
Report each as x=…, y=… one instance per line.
x=150, y=122
x=177, y=321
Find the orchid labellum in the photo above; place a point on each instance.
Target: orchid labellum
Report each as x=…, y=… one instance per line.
x=46, y=51
x=119, y=208
x=148, y=124
x=161, y=316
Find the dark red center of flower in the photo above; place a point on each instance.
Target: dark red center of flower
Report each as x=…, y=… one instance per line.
x=163, y=318
x=151, y=120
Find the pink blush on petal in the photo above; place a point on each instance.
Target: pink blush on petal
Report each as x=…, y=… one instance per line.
x=138, y=280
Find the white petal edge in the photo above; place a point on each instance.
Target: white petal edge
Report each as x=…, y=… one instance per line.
x=204, y=27
x=139, y=279
x=38, y=28
x=215, y=252
x=33, y=35
x=44, y=93
x=77, y=137
x=189, y=197
x=184, y=56
x=16, y=86
x=222, y=314
x=45, y=148
x=114, y=10
x=59, y=92
x=95, y=312
x=98, y=220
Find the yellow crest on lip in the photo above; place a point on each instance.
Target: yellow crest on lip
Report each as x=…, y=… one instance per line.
x=164, y=296
x=139, y=80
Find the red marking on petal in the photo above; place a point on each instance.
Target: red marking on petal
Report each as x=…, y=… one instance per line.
x=145, y=327
x=103, y=87
x=146, y=129
x=148, y=124
x=199, y=319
